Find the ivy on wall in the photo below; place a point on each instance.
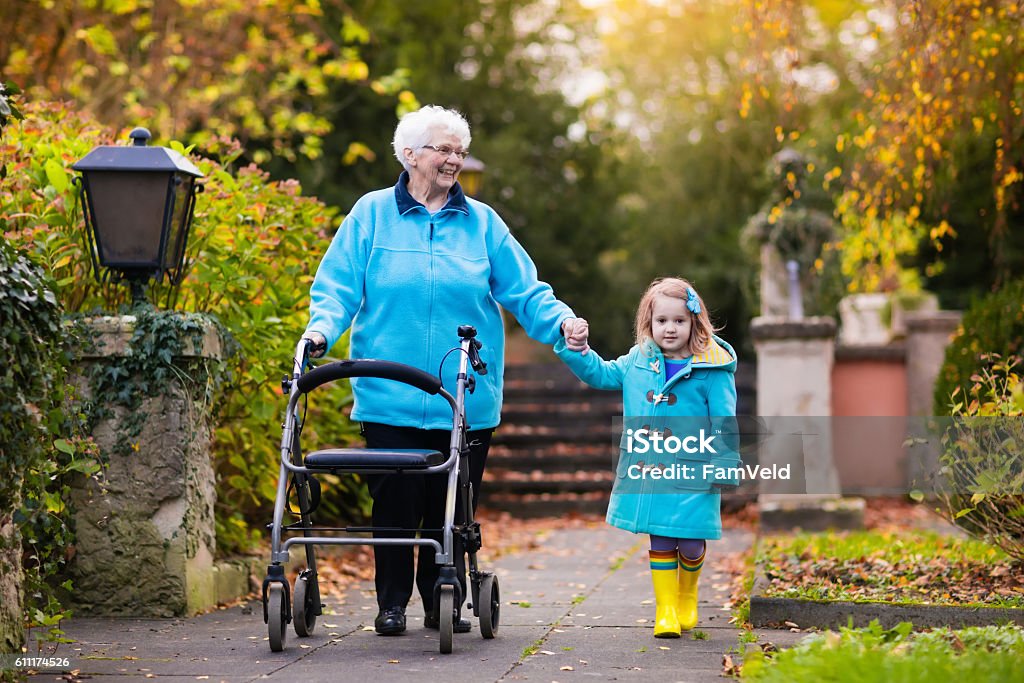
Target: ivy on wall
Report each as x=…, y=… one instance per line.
x=254, y=246
x=164, y=348
x=42, y=435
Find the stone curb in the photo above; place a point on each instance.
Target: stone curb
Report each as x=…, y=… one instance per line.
x=774, y=612
x=766, y=612
x=235, y=578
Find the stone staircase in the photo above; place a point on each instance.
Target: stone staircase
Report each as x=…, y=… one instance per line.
x=552, y=454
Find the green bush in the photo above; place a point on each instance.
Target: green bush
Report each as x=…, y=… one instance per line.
x=992, y=325
x=41, y=435
x=252, y=251
x=982, y=461
x=979, y=385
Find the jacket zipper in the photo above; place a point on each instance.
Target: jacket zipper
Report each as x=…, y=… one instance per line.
x=430, y=311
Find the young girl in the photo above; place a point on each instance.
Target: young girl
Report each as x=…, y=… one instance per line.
x=679, y=407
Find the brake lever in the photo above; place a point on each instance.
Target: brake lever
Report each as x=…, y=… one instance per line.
x=313, y=347
x=479, y=366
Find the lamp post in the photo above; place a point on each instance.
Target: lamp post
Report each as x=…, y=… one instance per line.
x=471, y=176
x=138, y=203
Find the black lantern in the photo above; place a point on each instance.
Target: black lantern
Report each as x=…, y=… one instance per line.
x=471, y=176
x=138, y=203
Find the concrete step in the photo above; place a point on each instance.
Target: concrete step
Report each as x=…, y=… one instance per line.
x=528, y=412
x=546, y=504
x=546, y=482
x=541, y=436
x=556, y=457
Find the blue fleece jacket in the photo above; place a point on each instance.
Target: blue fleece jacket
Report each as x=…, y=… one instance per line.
x=404, y=280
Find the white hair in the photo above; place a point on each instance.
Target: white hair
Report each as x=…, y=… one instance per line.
x=416, y=129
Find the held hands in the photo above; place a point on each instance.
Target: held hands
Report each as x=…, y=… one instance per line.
x=576, y=331
x=318, y=346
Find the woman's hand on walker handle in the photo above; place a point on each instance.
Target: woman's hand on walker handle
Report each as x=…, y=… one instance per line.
x=576, y=331
x=318, y=344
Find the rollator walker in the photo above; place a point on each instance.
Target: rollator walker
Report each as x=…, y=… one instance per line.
x=300, y=605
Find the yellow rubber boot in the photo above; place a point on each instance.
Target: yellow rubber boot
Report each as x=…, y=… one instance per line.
x=689, y=575
x=664, y=571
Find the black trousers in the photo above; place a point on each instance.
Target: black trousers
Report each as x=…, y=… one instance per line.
x=415, y=501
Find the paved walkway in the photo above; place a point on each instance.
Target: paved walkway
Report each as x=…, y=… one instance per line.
x=580, y=607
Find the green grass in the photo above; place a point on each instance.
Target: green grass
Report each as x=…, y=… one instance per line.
x=699, y=635
x=746, y=637
x=531, y=649
x=922, y=567
x=874, y=655
x=741, y=608
x=888, y=546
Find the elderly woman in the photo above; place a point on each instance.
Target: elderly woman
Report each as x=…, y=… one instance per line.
x=407, y=267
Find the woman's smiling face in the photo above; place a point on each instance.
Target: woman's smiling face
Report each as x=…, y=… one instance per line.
x=438, y=170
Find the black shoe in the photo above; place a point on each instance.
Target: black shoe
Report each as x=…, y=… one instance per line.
x=460, y=626
x=390, y=621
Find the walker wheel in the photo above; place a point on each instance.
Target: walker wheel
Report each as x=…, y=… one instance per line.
x=276, y=616
x=446, y=618
x=303, y=609
x=490, y=606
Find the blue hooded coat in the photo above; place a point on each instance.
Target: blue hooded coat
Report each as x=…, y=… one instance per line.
x=405, y=279
x=700, y=403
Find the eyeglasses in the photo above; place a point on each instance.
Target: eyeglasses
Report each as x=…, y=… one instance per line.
x=447, y=151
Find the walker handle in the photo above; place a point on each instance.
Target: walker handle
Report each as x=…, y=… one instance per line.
x=384, y=369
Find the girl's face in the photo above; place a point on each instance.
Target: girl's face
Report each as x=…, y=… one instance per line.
x=670, y=326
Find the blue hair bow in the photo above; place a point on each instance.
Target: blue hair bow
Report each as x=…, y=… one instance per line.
x=692, y=302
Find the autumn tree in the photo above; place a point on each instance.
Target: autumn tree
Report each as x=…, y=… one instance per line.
x=672, y=75
x=932, y=152
x=190, y=70
x=505, y=64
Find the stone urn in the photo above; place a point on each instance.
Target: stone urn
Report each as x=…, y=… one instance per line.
x=863, y=320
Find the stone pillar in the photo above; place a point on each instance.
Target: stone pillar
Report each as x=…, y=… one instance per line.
x=794, y=402
x=928, y=335
x=12, y=633
x=145, y=527
x=774, y=283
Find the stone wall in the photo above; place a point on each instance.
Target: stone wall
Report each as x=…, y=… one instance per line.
x=12, y=634
x=145, y=528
